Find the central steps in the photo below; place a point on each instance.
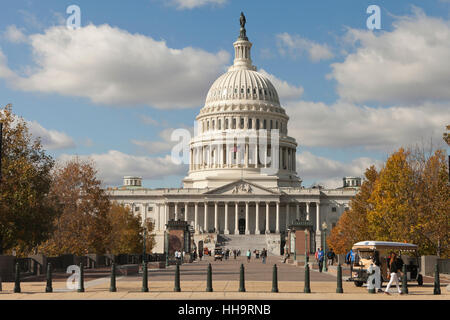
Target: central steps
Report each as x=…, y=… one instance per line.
x=243, y=242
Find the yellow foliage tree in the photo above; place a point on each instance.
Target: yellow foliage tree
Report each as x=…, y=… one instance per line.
x=393, y=200
x=127, y=231
x=353, y=225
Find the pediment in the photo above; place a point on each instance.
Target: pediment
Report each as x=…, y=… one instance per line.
x=242, y=187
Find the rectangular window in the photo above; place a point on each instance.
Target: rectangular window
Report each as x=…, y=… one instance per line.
x=250, y=123
x=333, y=209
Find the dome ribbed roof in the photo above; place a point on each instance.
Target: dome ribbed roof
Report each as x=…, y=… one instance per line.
x=242, y=84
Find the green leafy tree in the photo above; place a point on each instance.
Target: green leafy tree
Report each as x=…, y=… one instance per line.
x=26, y=214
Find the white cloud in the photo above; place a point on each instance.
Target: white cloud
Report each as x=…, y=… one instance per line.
x=111, y=66
x=14, y=34
x=191, y=4
x=296, y=46
x=411, y=64
x=329, y=172
x=113, y=165
x=285, y=90
x=50, y=139
x=343, y=124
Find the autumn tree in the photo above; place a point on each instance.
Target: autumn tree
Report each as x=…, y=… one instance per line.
x=83, y=225
x=446, y=136
x=127, y=231
x=26, y=213
x=394, y=200
x=353, y=226
x=432, y=229
x=407, y=201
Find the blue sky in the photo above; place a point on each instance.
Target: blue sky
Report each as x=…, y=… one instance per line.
x=114, y=89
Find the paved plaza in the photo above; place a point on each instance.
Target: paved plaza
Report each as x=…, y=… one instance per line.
x=258, y=285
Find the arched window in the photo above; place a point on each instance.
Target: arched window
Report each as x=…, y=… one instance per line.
x=213, y=125
x=257, y=124
x=226, y=124
x=234, y=123
x=250, y=123
x=264, y=124
x=219, y=124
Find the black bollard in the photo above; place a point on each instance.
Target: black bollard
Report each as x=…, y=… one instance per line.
x=112, y=287
x=177, y=287
x=81, y=280
x=144, y=277
x=275, y=279
x=242, y=280
x=437, y=282
x=17, y=279
x=49, y=287
x=339, y=288
x=404, y=280
x=307, y=288
x=209, y=279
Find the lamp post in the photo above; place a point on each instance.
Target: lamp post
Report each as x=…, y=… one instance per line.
x=324, y=228
x=306, y=247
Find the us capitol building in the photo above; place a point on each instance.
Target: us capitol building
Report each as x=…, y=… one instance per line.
x=232, y=189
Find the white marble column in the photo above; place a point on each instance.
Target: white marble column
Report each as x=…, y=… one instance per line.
x=206, y=217
x=216, y=218
x=157, y=222
x=196, y=217
x=166, y=214
x=307, y=211
x=267, y=217
x=176, y=211
x=186, y=207
x=236, y=218
x=227, y=227
x=277, y=225
x=317, y=218
x=257, y=219
x=247, y=231
x=287, y=215
x=144, y=216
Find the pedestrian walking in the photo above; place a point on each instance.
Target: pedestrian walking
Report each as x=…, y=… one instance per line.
x=234, y=254
x=320, y=256
x=263, y=255
x=286, y=256
x=249, y=255
x=350, y=259
x=393, y=269
x=200, y=254
x=331, y=255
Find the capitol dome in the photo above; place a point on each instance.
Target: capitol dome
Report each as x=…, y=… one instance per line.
x=245, y=103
